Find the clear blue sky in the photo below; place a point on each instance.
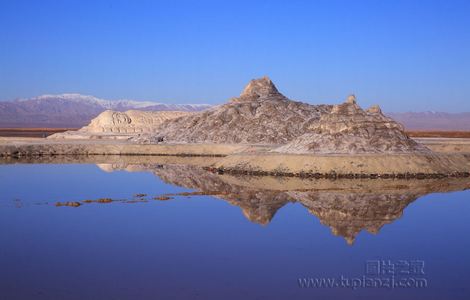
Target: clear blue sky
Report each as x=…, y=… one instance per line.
x=403, y=55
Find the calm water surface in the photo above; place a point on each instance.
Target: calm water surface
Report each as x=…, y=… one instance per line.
x=224, y=237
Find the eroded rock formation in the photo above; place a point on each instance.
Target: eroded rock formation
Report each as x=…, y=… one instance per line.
x=260, y=115
x=348, y=129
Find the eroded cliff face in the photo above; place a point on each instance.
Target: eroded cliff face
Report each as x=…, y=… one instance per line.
x=348, y=129
x=260, y=115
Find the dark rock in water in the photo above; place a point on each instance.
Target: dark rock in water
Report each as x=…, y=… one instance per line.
x=104, y=200
x=71, y=204
x=162, y=198
x=261, y=115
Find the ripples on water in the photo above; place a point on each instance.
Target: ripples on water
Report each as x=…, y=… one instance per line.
x=164, y=228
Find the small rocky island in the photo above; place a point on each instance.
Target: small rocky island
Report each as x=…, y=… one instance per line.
x=261, y=132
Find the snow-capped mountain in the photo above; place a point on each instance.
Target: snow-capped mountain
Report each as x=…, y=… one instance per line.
x=73, y=110
x=92, y=100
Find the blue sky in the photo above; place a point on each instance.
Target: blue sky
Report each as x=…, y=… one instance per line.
x=403, y=55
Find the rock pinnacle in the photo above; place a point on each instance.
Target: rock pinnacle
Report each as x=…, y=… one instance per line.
x=261, y=87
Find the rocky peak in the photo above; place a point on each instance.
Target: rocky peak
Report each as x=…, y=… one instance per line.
x=351, y=99
x=349, y=107
x=374, y=109
x=259, y=88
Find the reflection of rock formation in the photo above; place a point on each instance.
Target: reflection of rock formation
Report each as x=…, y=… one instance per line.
x=346, y=206
x=348, y=214
x=258, y=206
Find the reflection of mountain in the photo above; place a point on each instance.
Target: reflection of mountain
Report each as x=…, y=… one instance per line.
x=346, y=206
x=258, y=205
x=348, y=214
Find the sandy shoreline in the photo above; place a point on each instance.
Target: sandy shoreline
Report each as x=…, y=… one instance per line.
x=451, y=157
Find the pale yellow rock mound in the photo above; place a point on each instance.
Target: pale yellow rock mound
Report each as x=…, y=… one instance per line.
x=132, y=121
x=118, y=125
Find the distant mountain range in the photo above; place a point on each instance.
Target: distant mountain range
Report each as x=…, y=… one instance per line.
x=433, y=120
x=73, y=110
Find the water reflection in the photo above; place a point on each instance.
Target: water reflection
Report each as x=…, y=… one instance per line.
x=168, y=246
x=346, y=206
